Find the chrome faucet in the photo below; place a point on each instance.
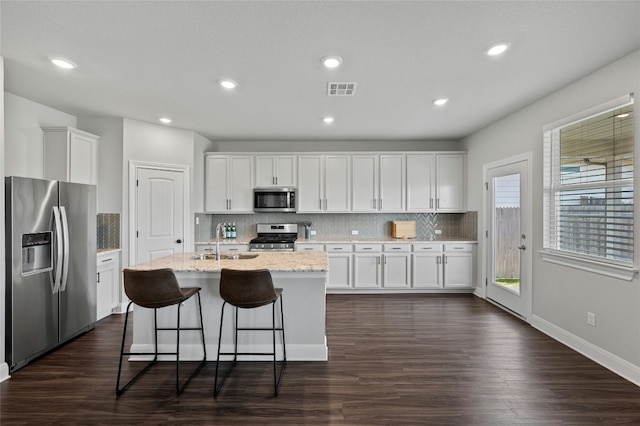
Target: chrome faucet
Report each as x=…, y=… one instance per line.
x=218, y=227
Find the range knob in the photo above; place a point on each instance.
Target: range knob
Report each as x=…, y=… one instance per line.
x=271, y=245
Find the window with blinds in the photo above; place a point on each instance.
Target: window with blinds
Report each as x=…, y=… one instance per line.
x=588, y=186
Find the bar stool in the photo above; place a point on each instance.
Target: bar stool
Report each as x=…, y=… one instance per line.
x=156, y=289
x=247, y=290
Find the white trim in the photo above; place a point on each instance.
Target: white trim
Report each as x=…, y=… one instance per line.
x=609, y=269
x=588, y=113
x=134, y=165
x=528, y=158
x=608, y=360
x=4, y=372
x=193, y=352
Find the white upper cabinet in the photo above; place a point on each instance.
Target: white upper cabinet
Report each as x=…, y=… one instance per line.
x=70, y=155
x=366, y=182
x=378, y=183
x=337, y=188
x=229, y=183
x=275, y=170
x=421, y=180
x=436, y=182
x=392, y=183
x=364, y=171
x=310, y=192
x=323, y=183
x=450, y=182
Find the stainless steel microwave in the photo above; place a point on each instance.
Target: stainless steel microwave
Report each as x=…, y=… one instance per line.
x=276, y=199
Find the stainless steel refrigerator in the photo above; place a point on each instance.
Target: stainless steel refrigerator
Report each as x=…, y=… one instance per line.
x=50, y=265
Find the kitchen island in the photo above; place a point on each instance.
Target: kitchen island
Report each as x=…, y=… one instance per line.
x=301, y=275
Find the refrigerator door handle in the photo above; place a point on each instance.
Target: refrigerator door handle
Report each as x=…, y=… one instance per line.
x=65, y=256
x=56, y=274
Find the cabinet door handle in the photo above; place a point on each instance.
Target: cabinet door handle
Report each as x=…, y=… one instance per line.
x=107, y=260
x=367, y=248
x=445, y=258
x=98, y=277
x=437, y=203
x=380, y=203
x=385, y=259
x=338, y=248
x=320, y=203
x=430, y=203
x=396, y=248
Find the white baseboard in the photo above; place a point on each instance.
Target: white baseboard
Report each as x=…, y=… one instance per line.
x=193, y=352
x=608, y=360
x=4, y=372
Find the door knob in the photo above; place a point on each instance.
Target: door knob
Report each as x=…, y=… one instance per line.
x=179, y=241
x=522, y=247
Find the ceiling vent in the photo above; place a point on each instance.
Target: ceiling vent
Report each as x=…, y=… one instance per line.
x=338, y=88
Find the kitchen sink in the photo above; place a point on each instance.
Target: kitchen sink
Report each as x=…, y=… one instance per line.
x=236, y=256
x=225, y=256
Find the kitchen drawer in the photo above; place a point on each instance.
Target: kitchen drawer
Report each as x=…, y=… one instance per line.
x=397, y=248
x=458, y=247
x=346, y=248
x=367, y=248
x=309, y=247
x=427, y=247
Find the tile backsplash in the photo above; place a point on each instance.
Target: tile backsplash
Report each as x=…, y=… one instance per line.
x=368, y=225
x=108, y=225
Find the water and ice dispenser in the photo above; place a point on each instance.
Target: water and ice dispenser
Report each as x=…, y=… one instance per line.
x=36, y=253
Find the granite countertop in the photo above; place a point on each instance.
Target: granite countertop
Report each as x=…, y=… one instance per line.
x=273, y=261
x=320, y=240
x=377, y=240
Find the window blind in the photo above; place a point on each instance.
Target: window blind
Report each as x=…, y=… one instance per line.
x=589, y=186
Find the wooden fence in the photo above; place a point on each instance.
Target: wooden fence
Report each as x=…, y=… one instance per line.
x=507, y=234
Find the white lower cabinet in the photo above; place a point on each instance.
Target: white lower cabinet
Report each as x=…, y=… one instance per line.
x=426, y=261
x=396, y=265
x=391, y=267
x=108, y=283
x=437, y=265
x=339, y=265
x=367, y=265
x=458, y=265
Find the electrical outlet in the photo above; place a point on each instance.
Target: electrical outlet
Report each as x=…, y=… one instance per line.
x=591, y=319
x=438, y=231
x=313, y=232
x=197, y=220
x=354, y=232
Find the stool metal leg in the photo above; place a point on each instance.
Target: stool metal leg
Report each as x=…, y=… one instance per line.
x=179, y=389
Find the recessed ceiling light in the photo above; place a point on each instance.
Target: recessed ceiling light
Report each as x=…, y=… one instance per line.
x=63, y=63
x=440, y=101
x=165, y=120
x=623, y=115
x=328, y=120
x=228, y=84
x=331, y=61
x=497, y=49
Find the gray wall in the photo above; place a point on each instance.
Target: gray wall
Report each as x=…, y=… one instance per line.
x=23, y=134
x=562, y=296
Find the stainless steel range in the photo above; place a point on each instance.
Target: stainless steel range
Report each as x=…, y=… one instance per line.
x=274, y=237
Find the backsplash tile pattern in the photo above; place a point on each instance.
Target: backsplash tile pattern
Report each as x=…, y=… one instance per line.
x=327, y=226
x=108, y=225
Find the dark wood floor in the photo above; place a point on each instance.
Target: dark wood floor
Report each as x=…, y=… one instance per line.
x=392, y=360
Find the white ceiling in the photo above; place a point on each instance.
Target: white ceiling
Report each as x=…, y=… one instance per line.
x=144, y=60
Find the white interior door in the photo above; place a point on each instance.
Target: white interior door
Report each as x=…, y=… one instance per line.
x=508, y=214
x=160, y=217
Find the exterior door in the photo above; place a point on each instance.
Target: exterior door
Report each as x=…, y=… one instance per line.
x=160, y=221
x=509, y=243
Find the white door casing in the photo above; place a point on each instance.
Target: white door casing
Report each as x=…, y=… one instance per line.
x=159, y=211
x=520, y=300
